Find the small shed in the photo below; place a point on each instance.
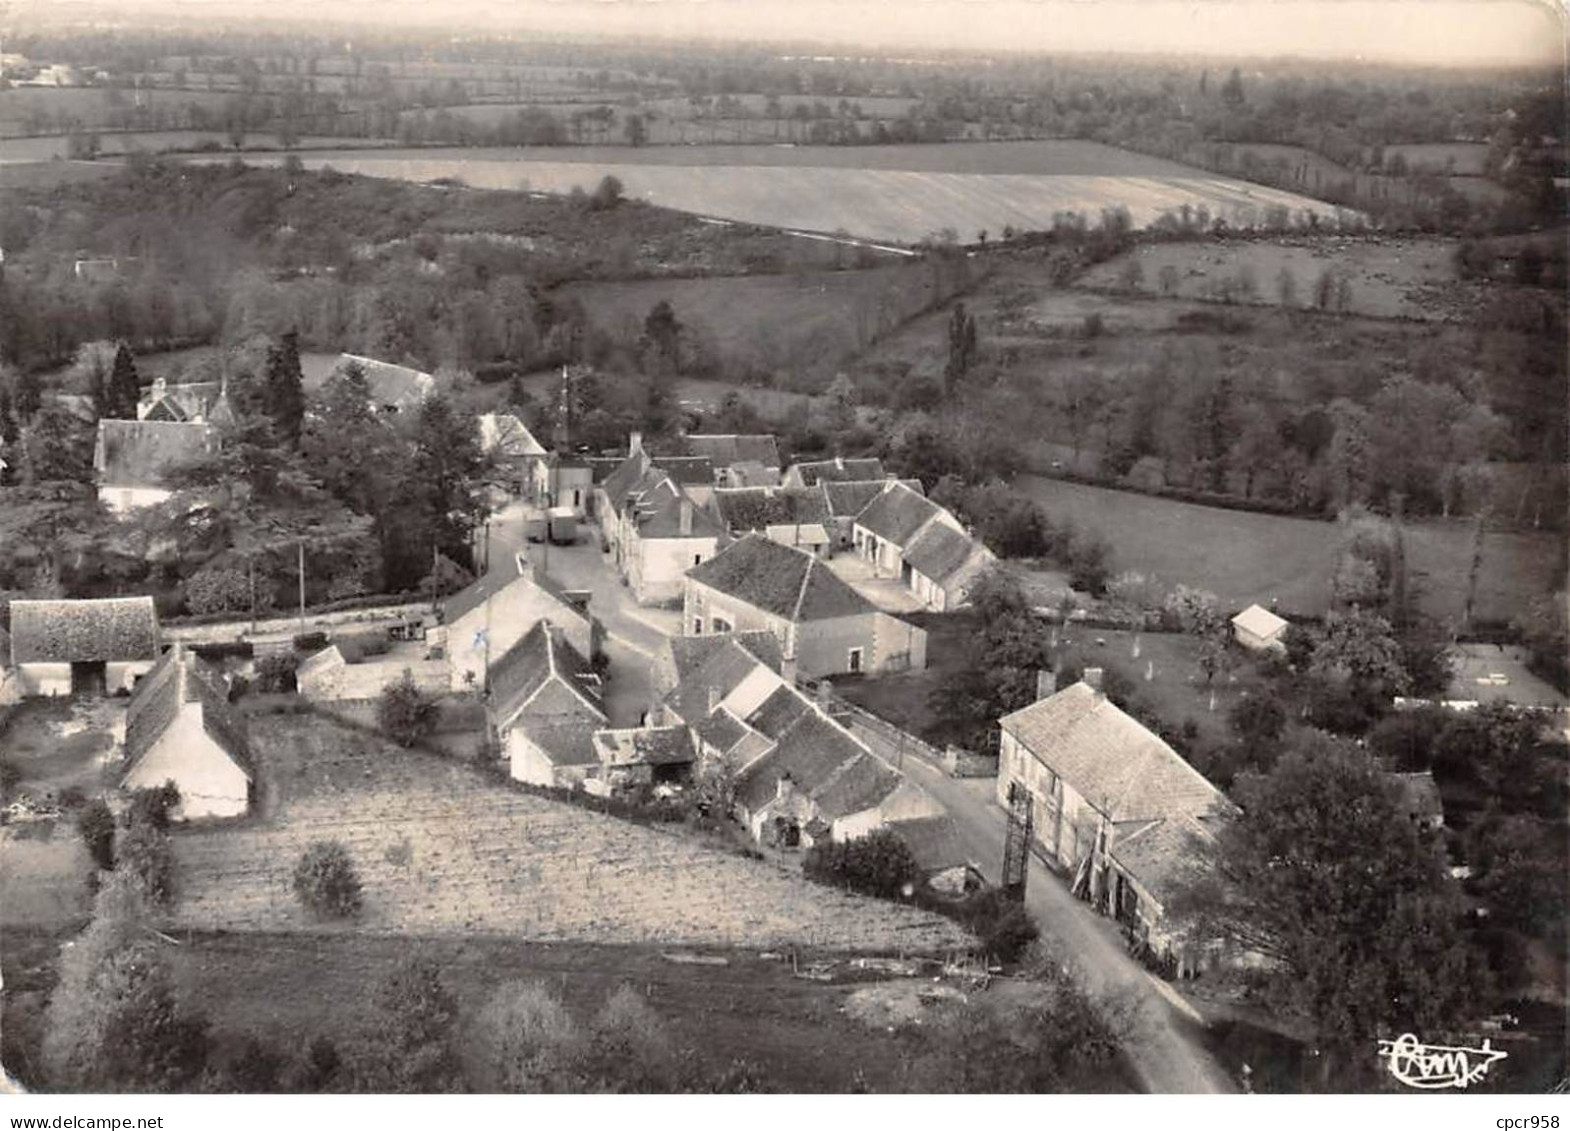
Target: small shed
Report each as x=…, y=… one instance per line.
x=1259, y=629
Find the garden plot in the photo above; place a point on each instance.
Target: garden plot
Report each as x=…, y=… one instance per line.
x=442, y=850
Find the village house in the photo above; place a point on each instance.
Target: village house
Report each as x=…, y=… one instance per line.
x=180, y=727
x=738, y=460
x=198, y=402
x=654, y=526
x=132, y=459
x=488, y=617
x=1111, y=805
x=1260, y=630
x=845, y=499
x=837, y=470
x=797, y=776
x=904, y=534
x=89, y=647
x=517, y=453
x=360, y=668
x=822, y=624
x=652, y=755
x=544, y=706
x=791, y=516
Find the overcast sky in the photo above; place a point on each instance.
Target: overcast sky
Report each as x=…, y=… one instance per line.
x=1448, y=31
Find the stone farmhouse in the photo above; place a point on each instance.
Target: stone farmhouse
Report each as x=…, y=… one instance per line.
x=201, y=402
x=180, y=727
x=845, y=499
x=484, y=620
x=904, y=534
x=738, y=460
x=823, y=625
x=791, y=516
x=837, y=470
x=796, y=775
x=392, y=388
x=132, y=459
x=545, y=705
x=90, y=647
x=1112, y=805
x=656, y=525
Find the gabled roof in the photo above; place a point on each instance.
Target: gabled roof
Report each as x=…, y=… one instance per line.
x=180, y=678
x=720, y=672
x=779, y=580
x=541, y=656
x=744, y=509
x=689, y=471
x=493, y=583
x=506, y=435
x=1110, y=759
x=728, y=450
x=779, y=712
x=849, y=498
x=813, y=472
x=897, y=514
x=1260, y=621
x=165, y=409
x=139, y=453
x=933, y=842
x=658, y=514
x=939, y=551
x=645, y=746
x=392, y=386
x=689, y=653
x=627, y=479
x=858, y=785
x=110, y=628
x=824, y=762
x=750, y=473
x=564, y=743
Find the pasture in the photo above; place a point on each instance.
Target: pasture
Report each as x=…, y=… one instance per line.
x=1245, y=558
x=1387, y=278
x=444, y=851
x=896, y=193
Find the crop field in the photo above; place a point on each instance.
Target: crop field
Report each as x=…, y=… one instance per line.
x=1245, y=558
x=91, y=106
x=893, y=193
x=443, y=851
x=1388, y=278
x=30, y=150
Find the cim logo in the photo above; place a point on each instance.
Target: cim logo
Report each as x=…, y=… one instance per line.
x=1435, y=1067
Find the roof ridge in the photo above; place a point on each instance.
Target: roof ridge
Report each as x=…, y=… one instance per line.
x=801, y=594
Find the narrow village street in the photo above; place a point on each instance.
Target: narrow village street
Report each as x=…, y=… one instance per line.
x=1165, y=1046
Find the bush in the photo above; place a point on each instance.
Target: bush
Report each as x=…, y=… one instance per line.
x=879, y=864
x=325, y=881
x=220, y=650
x=405, y=713
x=152, y=806
x=220, y=591
x=1000, y=922
x=309, y=642
x=143, y=852
x=275, y=673
x=96, y=824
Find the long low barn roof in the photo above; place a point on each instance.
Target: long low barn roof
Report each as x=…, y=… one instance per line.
x=60, y=632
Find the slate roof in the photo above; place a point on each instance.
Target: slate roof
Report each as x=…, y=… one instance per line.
x=780, y=580
x=1163, y=855
x=165, y=409
x=776, y=714
x=110, y=628
x=750, y=473
x=185, y=399
x=721, y=730
x=563, y=743
x=689, y=653
x=744, y=509
x=140, y=453
x=689, y=471
x=542, y=654
x=180, y=678
x=730, y=449
x=848, y=499
x=939, y=551
x=488, y=585
x=1260, y=621
x=824, y=762
x=506, y=435
x=720, y=672
x=814, y=472
x=659, y=514
x=645, y=746
x=392, y=385
x=897, y=514
x=933, y=841
x=1111, y=760
x=858, y=785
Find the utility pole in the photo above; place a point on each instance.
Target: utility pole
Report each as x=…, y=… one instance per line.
x=302, y=586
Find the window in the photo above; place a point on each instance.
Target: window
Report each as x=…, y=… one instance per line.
x=697, y=559
x=855, y=659
x=723, y=625
x=697, y=626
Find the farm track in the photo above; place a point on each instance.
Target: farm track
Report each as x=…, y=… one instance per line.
x=442, y=851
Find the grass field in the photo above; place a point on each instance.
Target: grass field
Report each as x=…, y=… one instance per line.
x=444, y=851
x=896, y=193
x=1244, y=557
x=91, y=106
x=1388, y=278
x=1460, y=158
x=59, y=743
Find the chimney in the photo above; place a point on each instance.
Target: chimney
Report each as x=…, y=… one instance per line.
x=686, y=517
x=825, y=695
x=1092, y=678
x=784, y=787
x=1046, y=683
x=160, y=386
x=788, y=669
x=635, y=443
